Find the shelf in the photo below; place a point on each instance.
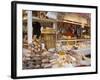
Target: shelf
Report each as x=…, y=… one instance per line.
x=47, y=33
x=51, y=20
x=85, y=51
x=74, y=40
x=40, y=19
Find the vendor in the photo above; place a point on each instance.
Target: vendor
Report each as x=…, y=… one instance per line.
x=36, y=29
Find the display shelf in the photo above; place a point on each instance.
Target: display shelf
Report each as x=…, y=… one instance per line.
x=40, y=19
x=50, y=20
x=75, y=42
x=85, y=51
x=73, y=39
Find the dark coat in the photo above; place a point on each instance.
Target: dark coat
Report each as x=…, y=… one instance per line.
x=36, y=29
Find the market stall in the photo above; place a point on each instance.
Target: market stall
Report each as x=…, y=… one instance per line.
x=63, y=41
